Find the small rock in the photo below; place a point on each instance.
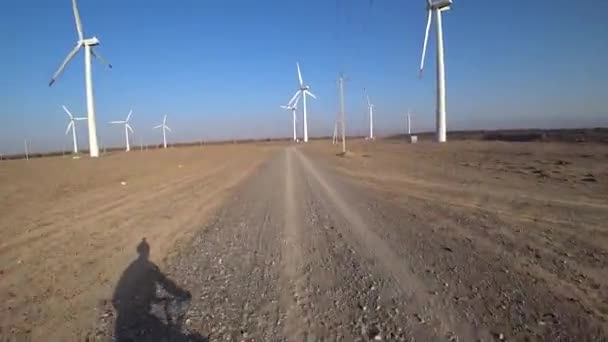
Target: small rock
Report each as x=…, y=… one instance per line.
x=499, y=336
x=123, y=183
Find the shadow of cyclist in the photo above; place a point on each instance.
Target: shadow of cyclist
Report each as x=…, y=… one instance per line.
x=134, y=298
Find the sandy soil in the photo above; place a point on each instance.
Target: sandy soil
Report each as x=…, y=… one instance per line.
x=69, y=227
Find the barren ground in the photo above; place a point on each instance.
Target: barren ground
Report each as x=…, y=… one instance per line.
x=464, y=241
x=69, y=227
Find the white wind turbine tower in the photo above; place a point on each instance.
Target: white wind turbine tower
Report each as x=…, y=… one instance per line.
x=437, y=7
x=127, y=128
x=72, y=126
x=409, y=122
x=303, y=91
x=371, y=107
x=87, y=45
x=165, y=129
x=293, y=106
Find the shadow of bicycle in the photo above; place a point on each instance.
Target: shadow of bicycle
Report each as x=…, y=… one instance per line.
x=149, y=305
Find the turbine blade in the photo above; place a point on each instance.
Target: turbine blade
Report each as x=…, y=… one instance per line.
x=426, y=40
x=164, y=119
x=67, y=59
x=103, y=61
x=369, y=103
x=80, y=119
x=295, y=98
x=159, y=126
x=129, y=115
x=129, y=128
x=168, y=129
x=286, y=107
x=77, y=18
x=117, y=122
x=300, y=74
x=70, y=125
x=310, y=94
x=67, y=111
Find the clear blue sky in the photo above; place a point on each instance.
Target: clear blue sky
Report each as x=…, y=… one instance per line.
x=221, y=69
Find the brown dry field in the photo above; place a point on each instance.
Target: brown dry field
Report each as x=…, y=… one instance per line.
x=496, y=221
x=527, y=217
x=69, y=227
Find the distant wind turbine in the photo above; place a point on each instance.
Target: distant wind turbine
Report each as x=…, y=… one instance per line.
x=127, y=128
x=72, y=126
x=293, y=107
x=370, y=106
x=409, y=122
x=437, y=7
x=165, y=129
x=303, y=91
x=335, y=136
x=88, y=45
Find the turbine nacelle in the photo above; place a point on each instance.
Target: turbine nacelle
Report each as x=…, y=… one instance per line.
x=442, y=5
x=91, y=41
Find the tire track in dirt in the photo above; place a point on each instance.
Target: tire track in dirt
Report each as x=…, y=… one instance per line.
x=580, y=273
x=409, y=284
x=294, y=296
x=491, y=201
x=550, y=236
x=500, y=287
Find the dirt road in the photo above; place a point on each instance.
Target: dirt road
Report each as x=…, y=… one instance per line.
x=315, y=247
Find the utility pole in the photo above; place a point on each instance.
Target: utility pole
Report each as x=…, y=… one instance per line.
x=27, y=152
x=342, y=113
x=409, y=123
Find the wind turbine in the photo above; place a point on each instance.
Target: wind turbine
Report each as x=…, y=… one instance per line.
x=370, y=106
x=409, y=122
x=293, y=106
x=127, y=128
x=335, y=137
x=87, y=45
x=437, y=7
x=303, y=91
x=165, y=129
x=72, y=125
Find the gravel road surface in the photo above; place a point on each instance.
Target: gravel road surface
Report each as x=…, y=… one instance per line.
x=301, y=252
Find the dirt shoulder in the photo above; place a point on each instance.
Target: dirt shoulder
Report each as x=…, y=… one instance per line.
x=70, y=227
